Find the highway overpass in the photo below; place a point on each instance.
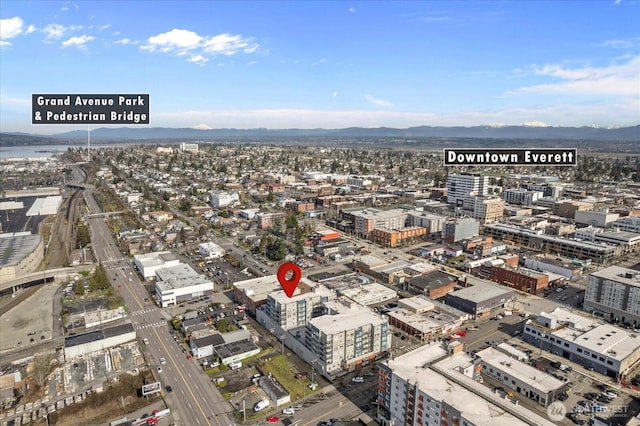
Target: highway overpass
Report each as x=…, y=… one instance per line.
x=41, y=277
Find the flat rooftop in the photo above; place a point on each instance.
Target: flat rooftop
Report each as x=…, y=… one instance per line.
x=410, y=368
x=16, y=246
x=480, y=291
x=619, y=274
x=149, y=260
x=179, y=276
x=615, y=342
x=259, y=288
x=519, y=370
x=347, y=317
x=368, y=294
x=228, y=350
x=315, y=291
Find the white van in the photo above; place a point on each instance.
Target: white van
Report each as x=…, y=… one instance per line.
x=235, y=365
x=261, y=405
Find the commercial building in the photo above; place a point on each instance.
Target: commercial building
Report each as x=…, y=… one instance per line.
x=210, y=250
x=537, y=239
x=568, y=208
x=179, y=283
x=274, y=390
x=521, y=196
x=223, y=199
x=267, y=220
x=369, y=294
x=456, y=230
x=348, y=337
x=22, y=253
x=479, y=297
x=398, y=236
x=629, y=224
x=519, y=377
x=627, y=241
x=486, y=209
x=554, y=265
x=434, y=284
x=425, y=319
x=188, y=147
x=147, y=264
x=602, y=219
x=97, y=340
x=428, y=387
x=462, y=186
x=522, y=279
x=433, y=223
x=605, y=348
x=615, y=293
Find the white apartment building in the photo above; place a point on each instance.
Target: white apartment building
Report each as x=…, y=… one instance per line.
x=291, y=312
x=605, y=348
x=432, y=222
x=427, y=387
x=367, y=220
x=221, y=199
x=464, y=185
x=348, y=337
x=179, y=283
x=521, y=196
x=614, y=292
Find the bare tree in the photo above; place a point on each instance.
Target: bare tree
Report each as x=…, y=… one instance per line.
x=42, y=366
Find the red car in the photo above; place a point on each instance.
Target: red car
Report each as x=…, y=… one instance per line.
x=189, y=357
x=273, y=419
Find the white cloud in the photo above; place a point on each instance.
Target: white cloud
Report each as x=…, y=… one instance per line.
x=10, y=28
x=182, y=42
x=174, y=40
x=334, y=94
x=227, y=44
x=352, y=9
x=628, y=43
x=123, y=41
x=56, y=31
x=615, y=79
x=379, y=102
x=320, y=61
x=198, y=59
x=30, y=29
x=78, y=41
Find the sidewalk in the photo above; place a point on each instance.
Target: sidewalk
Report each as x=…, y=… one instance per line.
x=165, y=421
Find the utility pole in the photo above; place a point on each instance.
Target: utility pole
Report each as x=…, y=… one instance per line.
x=244, y=413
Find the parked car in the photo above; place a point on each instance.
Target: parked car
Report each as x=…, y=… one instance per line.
x=163, y=361
x=289, y=411
x=273, y=419
x=358, y=379
x=168, y=388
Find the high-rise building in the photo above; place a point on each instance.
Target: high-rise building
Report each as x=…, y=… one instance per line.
x=462, y=186
x=615, y=292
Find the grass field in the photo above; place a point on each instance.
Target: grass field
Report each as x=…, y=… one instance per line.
x=284, y=373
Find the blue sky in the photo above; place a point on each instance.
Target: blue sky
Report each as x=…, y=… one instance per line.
x=322, y=64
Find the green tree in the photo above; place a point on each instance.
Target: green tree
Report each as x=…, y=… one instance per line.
x=99, y=280
x=222, y=325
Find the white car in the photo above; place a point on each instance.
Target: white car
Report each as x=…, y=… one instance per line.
x=159, y=369
x=163, y=361
x=358, y=379
x=288, y=410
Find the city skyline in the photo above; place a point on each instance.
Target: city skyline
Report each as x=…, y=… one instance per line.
x=329, y=64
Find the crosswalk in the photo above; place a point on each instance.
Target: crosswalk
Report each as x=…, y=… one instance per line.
x=406, y=349
x=151, y=325
x=143, y=311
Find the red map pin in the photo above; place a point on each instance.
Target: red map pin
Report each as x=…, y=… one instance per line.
x=289, y=284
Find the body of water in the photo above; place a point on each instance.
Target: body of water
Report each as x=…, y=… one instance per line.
x=40, y=151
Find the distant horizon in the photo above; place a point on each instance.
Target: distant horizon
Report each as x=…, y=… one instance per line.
x=329, y=65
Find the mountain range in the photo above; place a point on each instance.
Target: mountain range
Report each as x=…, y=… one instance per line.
x=104, y=134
